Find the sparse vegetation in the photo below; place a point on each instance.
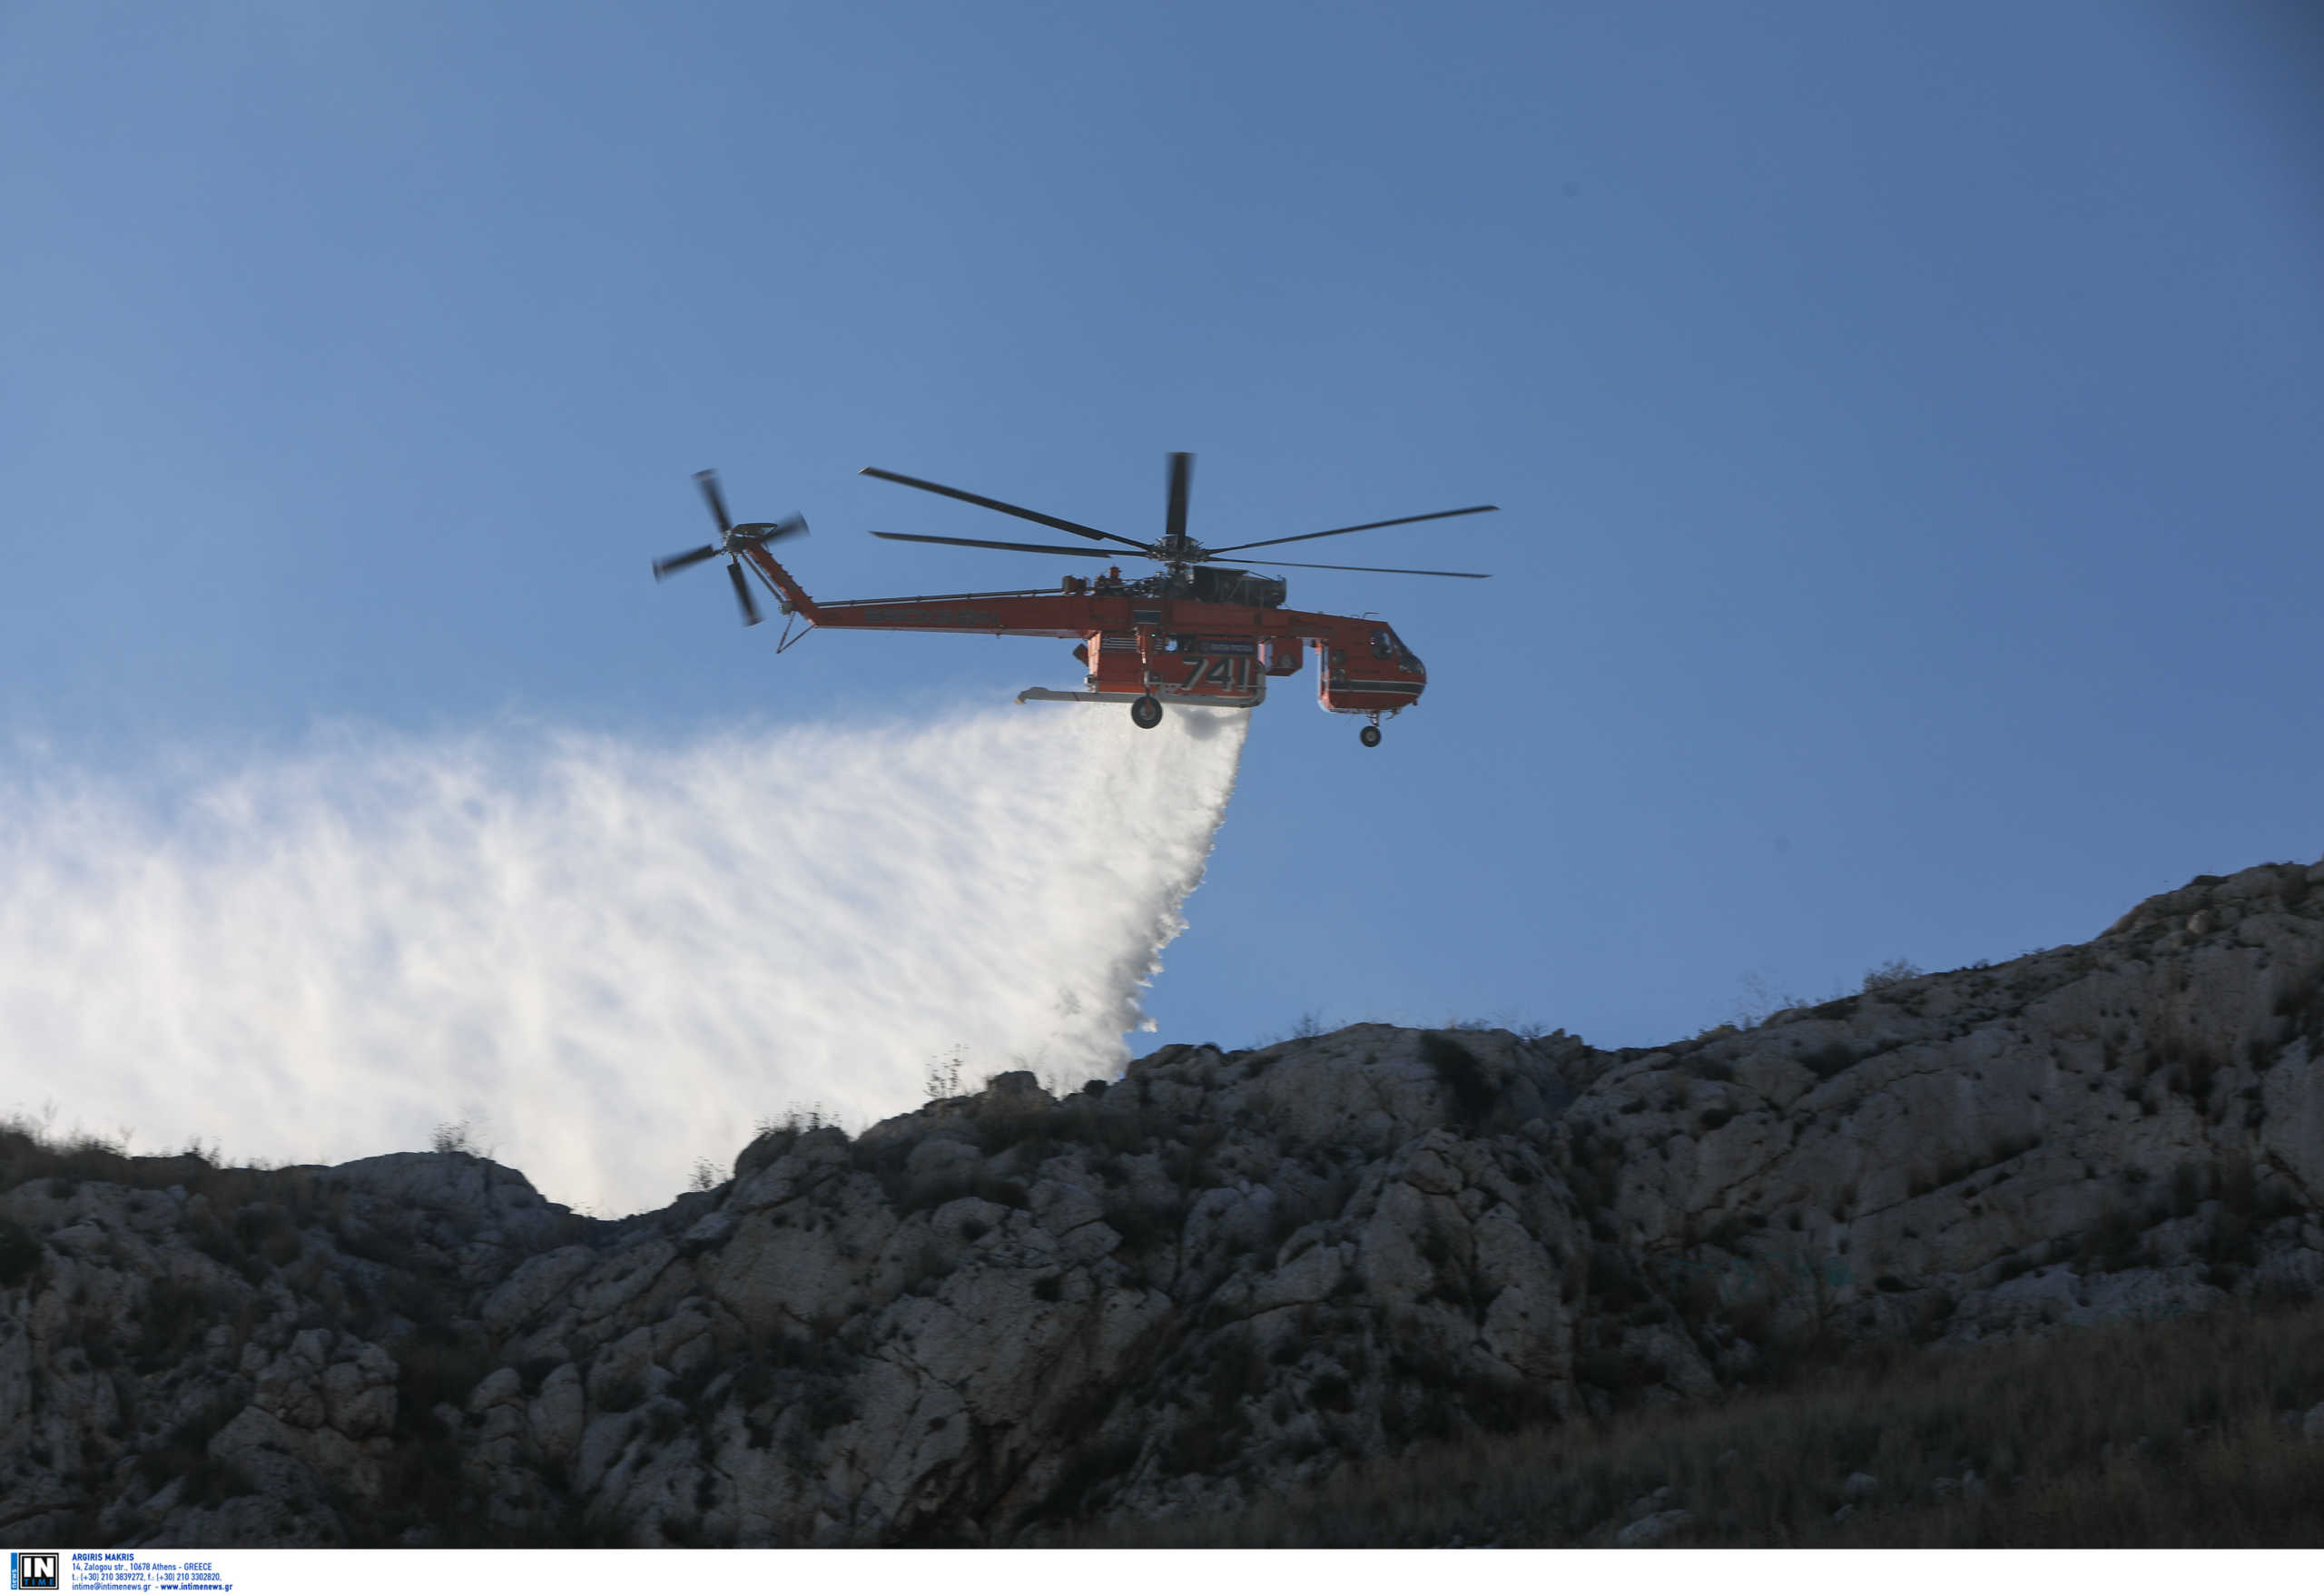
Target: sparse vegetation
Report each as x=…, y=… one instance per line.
x=2177, y=1434
x=775, y=1138
x=1895, y=972
x=1760, y=1002
x=942, y=1080
x=461, y=1137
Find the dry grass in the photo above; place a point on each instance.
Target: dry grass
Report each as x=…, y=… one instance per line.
x=27, y=1153
x=2153, y=1436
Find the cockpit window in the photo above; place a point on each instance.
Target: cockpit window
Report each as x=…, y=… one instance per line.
x=1387, y=644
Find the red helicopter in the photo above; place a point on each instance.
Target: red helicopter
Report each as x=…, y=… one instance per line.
x=1196, y=633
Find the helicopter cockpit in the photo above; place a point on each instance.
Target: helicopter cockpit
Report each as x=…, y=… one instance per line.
x=1387, y=644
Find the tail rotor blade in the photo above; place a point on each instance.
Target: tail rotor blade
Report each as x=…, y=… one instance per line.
x=773, y=531
x=742, y=593
x=1182, y=471
x=666, y=568
x=708, y=482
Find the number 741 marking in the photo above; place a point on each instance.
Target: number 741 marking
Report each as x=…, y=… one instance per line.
x=1233, y=671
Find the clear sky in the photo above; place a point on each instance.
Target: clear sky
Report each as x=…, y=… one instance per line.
x=1904, y=421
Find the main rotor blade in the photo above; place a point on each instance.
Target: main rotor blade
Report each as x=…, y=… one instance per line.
x=1182, y=470
x=1402, y=520
x=742, y=593
x=1378, y=569
x=981, y=543
x=708, y=482
x=676, y=562
x=1034, y=516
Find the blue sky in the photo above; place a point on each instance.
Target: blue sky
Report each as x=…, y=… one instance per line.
x=1903, y=422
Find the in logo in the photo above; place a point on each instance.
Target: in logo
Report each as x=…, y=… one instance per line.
x=33, y=1570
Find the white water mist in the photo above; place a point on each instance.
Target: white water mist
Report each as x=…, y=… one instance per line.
x=609, y=959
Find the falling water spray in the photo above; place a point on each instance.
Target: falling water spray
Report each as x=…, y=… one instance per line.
x=610, y=960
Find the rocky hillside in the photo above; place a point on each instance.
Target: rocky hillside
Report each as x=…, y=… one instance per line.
x=1227, y=1272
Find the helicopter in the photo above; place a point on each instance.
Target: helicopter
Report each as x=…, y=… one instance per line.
x=1196, y=633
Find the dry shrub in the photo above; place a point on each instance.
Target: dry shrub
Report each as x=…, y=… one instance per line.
x=2161, y=1435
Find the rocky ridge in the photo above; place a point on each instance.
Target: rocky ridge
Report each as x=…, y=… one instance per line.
x=1225, y=1272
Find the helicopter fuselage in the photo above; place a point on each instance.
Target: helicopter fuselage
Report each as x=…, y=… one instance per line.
x=1207, y=635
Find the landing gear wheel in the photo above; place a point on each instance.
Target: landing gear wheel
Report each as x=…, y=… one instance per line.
x=1369, y=736
x=1146, y=712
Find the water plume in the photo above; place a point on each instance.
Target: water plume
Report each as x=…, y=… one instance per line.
x=608, y=959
